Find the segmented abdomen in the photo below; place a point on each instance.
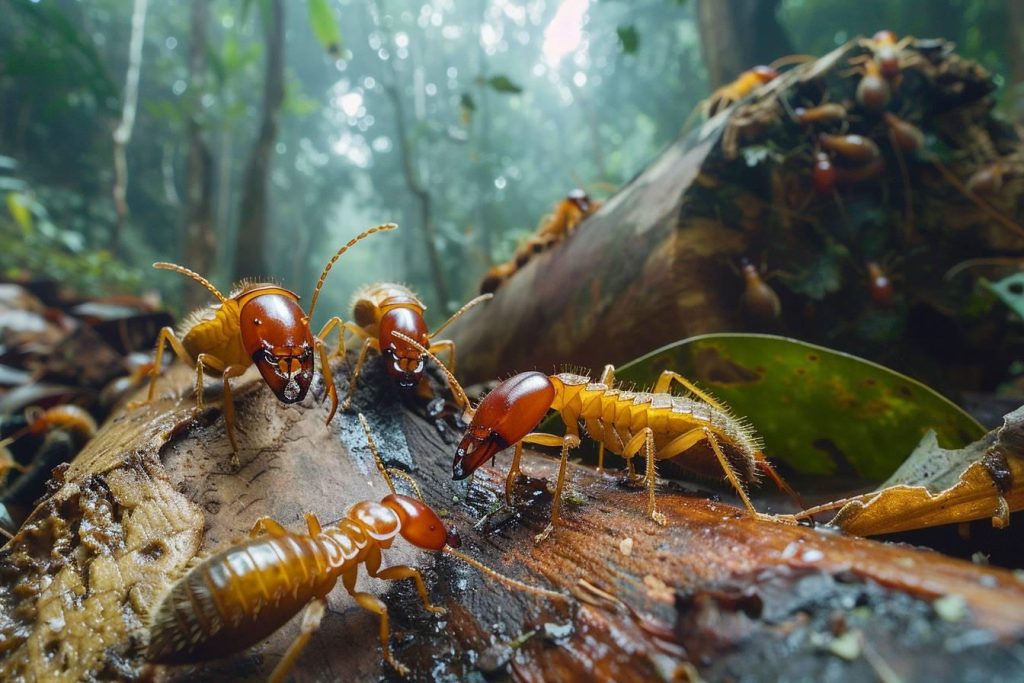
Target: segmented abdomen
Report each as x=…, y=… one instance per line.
x=237, y=598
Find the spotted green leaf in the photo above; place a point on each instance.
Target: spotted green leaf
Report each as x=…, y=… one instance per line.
x=821, y=411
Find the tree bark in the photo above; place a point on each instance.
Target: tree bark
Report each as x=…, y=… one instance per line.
x=736, y=35
x=251, y=240
x=200, y=245
x=716, y=591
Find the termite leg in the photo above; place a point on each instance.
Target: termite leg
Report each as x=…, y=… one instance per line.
x=448, y=344
x=325, y=370
x=370, y=343
x=229, y=405
x=401, y=571
x=312, y=524
x=780, y=483
x=166, y=334
x=328, y=327
x=570, y=440
x=311, y=617
x=645, y=439
x=731, y=473
x=354, y=329
x=665, y=382
x=513, y=473
x=269, y=526
x=371, y=603
x=600, y=458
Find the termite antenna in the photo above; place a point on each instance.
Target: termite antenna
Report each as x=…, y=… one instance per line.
x=388, y=472
x=330, y=264
x=6, y=534
x=161, y=265
x=501, y=578
x=376, y=454
x=462, y=311
x=460, y=395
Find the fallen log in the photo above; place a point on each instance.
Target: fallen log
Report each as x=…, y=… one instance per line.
x=716, y=593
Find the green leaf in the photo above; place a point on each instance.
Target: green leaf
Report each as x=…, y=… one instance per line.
x=628, y=38
x=818, y=410
x=18, y=208
x=503, y=84
x=325, y=27
x=1010, y=291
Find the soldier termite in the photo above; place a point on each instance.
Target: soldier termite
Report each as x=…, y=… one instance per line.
x=261, y=324
x=655, y=425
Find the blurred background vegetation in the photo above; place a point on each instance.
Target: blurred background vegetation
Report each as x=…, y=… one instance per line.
x=268, y=132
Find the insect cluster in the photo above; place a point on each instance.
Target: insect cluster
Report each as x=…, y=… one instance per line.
x=238, y=596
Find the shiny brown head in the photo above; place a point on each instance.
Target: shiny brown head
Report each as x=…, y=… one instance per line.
x=505, y=416
x=276, y=335
x=403, y=361
x=420, y=525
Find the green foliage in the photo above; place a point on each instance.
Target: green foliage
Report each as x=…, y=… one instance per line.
x=629, y=38
x=35, y=247
x=503, y=84
x=1010, y=291
x=818, y=410
x=324, y=26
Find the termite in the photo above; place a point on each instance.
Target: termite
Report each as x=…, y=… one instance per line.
x=553, y=228
x=829, y=112
x=656, y=425
x=855, y=148
x=823, y=175
x=261, y=324
x=758, y=296
x=378, y=312
x=242, y=594
x=731, y=93
x=70, y=418
x=905, y=136
x=873, y=90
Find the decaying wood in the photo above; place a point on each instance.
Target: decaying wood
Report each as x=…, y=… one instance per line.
x=715, y=592
x=658, y=262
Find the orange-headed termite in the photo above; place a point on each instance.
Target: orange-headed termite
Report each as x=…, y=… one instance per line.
x=655, y=425
x=242, y=594
x=378, y=312
x=261, y=324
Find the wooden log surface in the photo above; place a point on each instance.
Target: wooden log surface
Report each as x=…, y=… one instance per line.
x=716, y=593
x=659, y=261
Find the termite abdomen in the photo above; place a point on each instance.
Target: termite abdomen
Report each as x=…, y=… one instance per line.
x=237, y=598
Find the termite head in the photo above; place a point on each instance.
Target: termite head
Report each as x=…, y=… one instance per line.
x=823, y=176
x=873, y=91
x=884, y=37
x=505, y=416
x=276, y=335
x=764, y=73
x=580, y=199
x=420, y=525
x=403, y=361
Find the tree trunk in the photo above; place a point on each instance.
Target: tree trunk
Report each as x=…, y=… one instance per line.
x=123, y=132
x=251, y=240
x=200, y=243
x=736, y=35
x=422, y=195
x=715, y=591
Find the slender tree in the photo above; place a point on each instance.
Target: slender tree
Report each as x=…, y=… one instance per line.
x=123, y=131
x=250, y=246
x=199, y=238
